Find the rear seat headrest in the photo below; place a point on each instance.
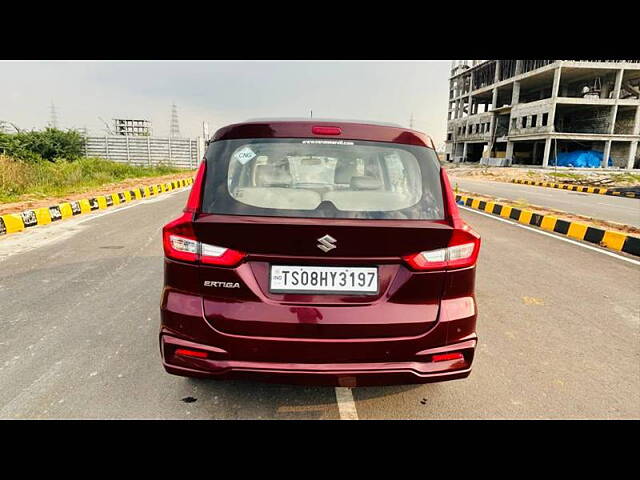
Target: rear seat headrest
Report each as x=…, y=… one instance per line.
x=365, y=183
x=272, y=176
x=345, y=170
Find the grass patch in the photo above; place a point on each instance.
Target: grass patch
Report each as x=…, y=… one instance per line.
x=574, y=176
x=616, y=178
x=633, y=178
x=19, y=179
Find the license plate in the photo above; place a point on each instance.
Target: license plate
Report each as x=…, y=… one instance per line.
x=303, y=279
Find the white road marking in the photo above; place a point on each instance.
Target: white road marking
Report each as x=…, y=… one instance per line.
x=108, y=212
x=542, y=232
x=144, y=201
x=346, y=403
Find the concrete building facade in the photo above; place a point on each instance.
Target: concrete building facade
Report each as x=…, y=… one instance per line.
x=506, y=112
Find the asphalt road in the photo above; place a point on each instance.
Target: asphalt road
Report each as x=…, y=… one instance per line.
x=559, y=333
x=603, y=207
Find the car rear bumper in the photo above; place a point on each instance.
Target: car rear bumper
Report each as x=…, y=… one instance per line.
x=336, y=374
x=314, y=360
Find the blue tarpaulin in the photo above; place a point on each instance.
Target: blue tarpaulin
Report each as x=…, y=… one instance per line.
x=580, y=159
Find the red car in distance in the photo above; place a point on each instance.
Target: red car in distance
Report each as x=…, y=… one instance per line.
x=320, y=252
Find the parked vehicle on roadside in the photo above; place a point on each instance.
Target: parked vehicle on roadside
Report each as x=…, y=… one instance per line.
x=320, y=252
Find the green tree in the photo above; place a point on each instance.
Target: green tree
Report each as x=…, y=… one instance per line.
x=50, y=144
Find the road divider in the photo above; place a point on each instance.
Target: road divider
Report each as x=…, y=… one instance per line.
x=605, y=238
x=17, y=222
x=578, y=188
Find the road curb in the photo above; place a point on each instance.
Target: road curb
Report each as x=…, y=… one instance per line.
x=578, y=231
x=17, y=222
x=577, y=188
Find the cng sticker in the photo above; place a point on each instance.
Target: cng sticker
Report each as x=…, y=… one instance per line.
x=244, y=155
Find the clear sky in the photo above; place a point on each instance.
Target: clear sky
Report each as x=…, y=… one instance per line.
x=223, y=92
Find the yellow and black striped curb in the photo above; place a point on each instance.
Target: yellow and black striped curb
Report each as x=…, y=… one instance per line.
x=578, y=188
x=579, y=231
x=16, y=222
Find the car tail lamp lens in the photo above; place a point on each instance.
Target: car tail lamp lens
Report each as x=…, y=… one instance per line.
x=180, y=244
x=183, y=248
x=193, y=202
x=179, y=241
x=212, y=255
x=326, y=130
x=184, y=352
x=453, y=213
x=443, y=357
x=461, y=252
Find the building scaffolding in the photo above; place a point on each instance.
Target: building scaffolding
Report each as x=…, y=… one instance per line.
x=130, y=127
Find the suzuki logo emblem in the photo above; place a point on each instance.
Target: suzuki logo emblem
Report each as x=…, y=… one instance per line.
x=326, y=243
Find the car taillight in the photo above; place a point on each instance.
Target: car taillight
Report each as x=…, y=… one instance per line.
x=181, y=248
x=193, y=202
x=180, y=244
x=212, y=255
x=461, y=252
x=319, y=130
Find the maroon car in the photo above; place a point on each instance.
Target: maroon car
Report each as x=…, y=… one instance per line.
x=320, y=252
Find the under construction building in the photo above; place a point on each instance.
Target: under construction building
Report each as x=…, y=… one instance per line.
x=506, y=112
x=132, y=127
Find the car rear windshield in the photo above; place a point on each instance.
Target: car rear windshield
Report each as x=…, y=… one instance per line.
x=316, y=178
